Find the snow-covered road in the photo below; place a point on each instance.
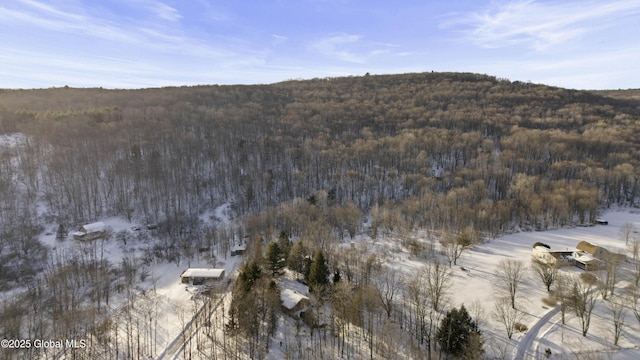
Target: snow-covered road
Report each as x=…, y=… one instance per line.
x=527, y=348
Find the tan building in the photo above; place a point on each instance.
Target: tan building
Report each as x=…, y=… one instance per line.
x=596, y=251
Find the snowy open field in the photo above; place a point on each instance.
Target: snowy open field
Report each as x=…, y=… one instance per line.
x=545, y=329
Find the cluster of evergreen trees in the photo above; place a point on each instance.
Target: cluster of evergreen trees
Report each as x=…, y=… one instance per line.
x=255, y=306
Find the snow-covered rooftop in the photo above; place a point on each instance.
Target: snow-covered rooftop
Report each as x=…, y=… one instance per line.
x=583, y=256
x=94, y=227
x=291, y=298
x=203, y=273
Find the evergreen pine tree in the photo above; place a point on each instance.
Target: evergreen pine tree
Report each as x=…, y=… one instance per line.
x=336, y=276
x=306, y=267
x=296, y=257
x=248, y=275
x=457, y=331
x=275, y=259
x=319, y=272
x=285, y=243
x=61, y=234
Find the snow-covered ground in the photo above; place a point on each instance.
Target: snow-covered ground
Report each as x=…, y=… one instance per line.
x=476, y=283
x=172, y=304
x=11, y=140
x=159, y=300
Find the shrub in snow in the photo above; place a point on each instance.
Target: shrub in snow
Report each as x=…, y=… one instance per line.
x=520, y=327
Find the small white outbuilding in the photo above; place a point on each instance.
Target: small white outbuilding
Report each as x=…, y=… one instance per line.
x=199, y=276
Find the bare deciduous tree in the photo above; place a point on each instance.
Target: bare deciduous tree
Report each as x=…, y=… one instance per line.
x=635, y=253
x=370, y=306
x=607, y=274
x=635, y=247
x=547, y=273
x=618, y=314
x=477, y=312
x=509, y=275
x=427, y=292
x=506, y=314
x=390, y=284
x=634, y=301
x=583, y=300
x=454, y=245
x=437, y=282
x=562, y=294
x=626, y=231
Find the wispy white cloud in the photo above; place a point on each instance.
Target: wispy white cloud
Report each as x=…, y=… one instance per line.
x=540, y=25
x=45, y=8
x=604, y=70
x=350, y=48
x=43, y=16
x=279, y=39
x=141, y=43
x=133, y=49
x=142, y=34
x=33, y=67
x=214, y=12
x=339, y=47
x=164, y=11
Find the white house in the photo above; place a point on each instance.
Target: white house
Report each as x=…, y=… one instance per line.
x=199, y=276
x=586, y=261
x=91, y=231
x=553, y=257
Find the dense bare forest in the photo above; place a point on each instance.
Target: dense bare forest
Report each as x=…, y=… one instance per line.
x=465, y=155
x=514, y=154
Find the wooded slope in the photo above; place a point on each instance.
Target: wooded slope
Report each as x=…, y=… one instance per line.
x=442, y=149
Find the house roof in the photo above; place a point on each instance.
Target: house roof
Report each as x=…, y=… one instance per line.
x=95, y=227
x=589, y=247
x=203, y=273
x=583, y=256
x=291, y=298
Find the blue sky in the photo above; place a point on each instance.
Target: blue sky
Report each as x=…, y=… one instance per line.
x=579, y=44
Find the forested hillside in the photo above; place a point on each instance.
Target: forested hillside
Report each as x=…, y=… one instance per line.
x=455, y=153
x=435, y=145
